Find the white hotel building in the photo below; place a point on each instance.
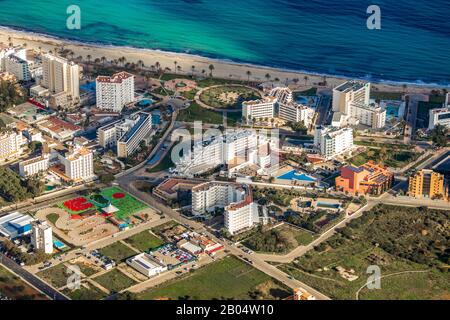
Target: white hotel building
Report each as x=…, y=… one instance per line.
x=126, y=134
x=279, y=103
x=79, y=164
x=351, y=104
x=259, y=109
x=439, y=116
x=60, y=75
x=18, y=67
x=368, y=114
x=332, y=141
x=34, y=165
x=241, y=213
x=115, y=92
x=236, y=149
x=42, y=236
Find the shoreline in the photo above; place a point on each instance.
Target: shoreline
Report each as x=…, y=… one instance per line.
x=226, y=69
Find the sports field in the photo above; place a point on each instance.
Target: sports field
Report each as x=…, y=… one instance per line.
x=127, y=204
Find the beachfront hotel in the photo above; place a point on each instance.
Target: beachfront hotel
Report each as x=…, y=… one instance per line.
x=126, y=134
x=348, y=92
x=240, y=214
x=439, y=116
x=332, y=141
x=259, y=109
x=115, y=92
x=427, y=184
x=61, y=77
x=369, y=178
x=351, y=105
x=14, y=61
x=278, y=104
x=371, y=115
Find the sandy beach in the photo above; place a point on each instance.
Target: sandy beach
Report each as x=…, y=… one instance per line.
x=222, y=69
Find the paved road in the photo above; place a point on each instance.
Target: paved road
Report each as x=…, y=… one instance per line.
x=30, y=278
x=126, y=183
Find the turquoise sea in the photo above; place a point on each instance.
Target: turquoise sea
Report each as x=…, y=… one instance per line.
x=326, y=37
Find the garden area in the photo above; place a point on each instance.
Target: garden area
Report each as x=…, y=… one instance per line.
x=228, y=278
x=408, y=244
x=391, y=157
x=228, y=97
x=196, y=113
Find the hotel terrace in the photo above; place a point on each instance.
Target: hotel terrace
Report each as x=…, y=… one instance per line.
x=369, y=178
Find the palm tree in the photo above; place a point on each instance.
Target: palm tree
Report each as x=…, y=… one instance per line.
x=179, y=68
x=123, y=60
x=192, y=70
x=249, y=74
x=211, y=69
x=157, y=66
x=405, y=88
x=306, y=79
x=175, y=64
x=89, y=57
x=267, y=76
x=140, y=64
x=103, y=59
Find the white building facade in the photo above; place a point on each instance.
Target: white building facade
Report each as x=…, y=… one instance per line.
x=439, y=116
x=332, y=141
x=60, y=75
x=42, y=236
x=114, y=92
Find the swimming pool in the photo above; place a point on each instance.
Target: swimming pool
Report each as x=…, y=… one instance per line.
x=328, y=205
x=58, y=244
x=144, y=103
x=295, y=175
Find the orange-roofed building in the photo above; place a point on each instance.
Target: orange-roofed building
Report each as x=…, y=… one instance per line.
x=369, y=178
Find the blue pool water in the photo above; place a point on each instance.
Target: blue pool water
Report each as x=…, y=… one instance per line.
x=144, y=103
x=294, y=175
x=58, y=244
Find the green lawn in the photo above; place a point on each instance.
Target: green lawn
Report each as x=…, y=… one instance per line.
x=14, y=288
x=226, y=278
x=395, y=159
x=197, y=113
x=114, y=281
x=144, y=241
x=86, y=292
x=117, y=252
x=214, y=97
x=127, y=206
x=53, y=217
